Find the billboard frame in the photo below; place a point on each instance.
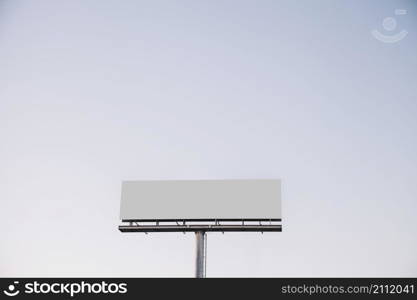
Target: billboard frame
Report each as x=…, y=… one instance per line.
x=209, y=225
x=200, y=226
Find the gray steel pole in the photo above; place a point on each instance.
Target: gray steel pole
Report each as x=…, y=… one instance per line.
x=200, y=262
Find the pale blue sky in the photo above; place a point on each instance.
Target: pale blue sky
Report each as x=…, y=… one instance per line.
x=96, y=92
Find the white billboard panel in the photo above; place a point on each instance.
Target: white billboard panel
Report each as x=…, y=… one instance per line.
x=201, y=199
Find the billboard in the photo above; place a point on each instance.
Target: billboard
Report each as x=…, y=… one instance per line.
x=258, y=199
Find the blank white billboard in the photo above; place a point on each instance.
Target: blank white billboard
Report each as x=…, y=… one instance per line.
x=201, y=199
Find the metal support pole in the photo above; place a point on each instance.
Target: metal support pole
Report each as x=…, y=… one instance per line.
x=201, y=253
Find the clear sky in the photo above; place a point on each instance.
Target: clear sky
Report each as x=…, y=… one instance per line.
x=96, y=92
